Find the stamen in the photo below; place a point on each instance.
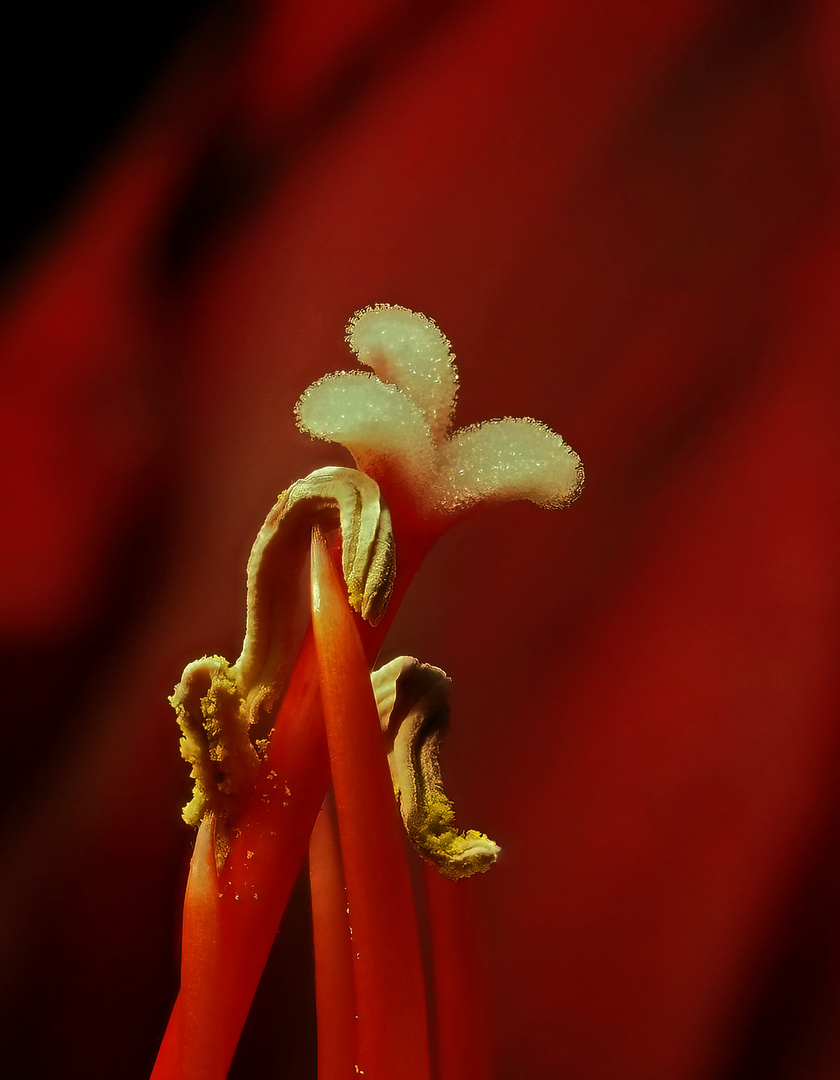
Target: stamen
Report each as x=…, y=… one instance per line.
x=413, y=703
x=223, y=709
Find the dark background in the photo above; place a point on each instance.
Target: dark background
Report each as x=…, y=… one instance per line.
x=628, y=223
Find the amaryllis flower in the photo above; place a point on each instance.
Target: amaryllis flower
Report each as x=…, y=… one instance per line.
x=254, y=730
x=626, y=218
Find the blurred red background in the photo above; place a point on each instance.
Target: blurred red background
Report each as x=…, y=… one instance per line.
x=626, y=218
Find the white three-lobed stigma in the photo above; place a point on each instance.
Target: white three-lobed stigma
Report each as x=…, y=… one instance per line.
x=396, y=421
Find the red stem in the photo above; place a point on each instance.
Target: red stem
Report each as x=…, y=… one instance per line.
x=390, y=992
x=275, y=825
x=267, y=850
x=200, y=957
x=335, y=991
x=460, y=1023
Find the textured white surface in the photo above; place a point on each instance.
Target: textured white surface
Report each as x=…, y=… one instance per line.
x=398, y=421
x=407, y=348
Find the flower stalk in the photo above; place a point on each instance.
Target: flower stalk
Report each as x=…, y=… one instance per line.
x=461, y=1046
x=200, y=973
x=266, y=850
x=387, y=966
x=335, y=991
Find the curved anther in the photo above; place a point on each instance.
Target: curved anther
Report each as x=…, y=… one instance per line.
x=225, y=708
x=413, y=703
